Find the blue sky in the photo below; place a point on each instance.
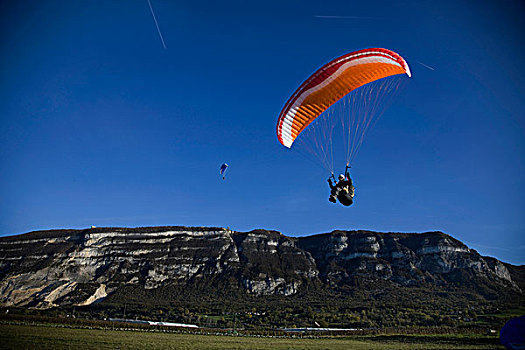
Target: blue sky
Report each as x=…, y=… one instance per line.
x=100, y=125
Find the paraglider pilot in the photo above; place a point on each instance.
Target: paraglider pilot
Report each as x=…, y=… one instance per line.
x=342, y=190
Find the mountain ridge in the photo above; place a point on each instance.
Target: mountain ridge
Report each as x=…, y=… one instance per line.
x=168, y=265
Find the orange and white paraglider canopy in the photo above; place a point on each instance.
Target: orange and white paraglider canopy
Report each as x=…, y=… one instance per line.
x=332, y=82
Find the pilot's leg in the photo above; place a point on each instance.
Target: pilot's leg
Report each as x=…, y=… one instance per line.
x=333, y=195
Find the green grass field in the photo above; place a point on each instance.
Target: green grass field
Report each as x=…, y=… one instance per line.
x=49, y=337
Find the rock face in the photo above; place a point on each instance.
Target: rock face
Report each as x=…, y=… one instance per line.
x=407, y=259
x=79, y=267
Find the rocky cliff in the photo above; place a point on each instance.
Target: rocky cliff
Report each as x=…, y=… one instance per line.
x=81, y=267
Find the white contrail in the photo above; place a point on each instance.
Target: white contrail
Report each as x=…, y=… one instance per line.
x=344, y=17
x=156, y=24
x=424, y=65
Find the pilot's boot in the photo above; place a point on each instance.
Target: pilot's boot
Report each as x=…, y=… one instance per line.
x=332, y=199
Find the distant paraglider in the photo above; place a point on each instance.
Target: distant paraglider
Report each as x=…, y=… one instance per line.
x=351, y=90
x=222, y=170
